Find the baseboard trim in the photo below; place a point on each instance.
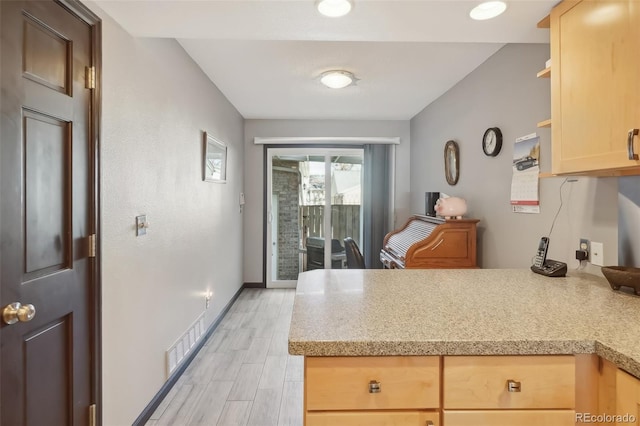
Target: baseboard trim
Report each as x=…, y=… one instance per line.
x=164, y=390
x=254, y=285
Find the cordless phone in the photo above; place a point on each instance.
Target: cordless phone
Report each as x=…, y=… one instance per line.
x=541, y=255
x=547, y=267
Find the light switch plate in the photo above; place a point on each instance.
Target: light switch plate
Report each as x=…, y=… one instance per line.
x=597, y=254
x=141, y=225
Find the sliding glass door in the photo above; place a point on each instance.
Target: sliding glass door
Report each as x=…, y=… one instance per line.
x=314, y=201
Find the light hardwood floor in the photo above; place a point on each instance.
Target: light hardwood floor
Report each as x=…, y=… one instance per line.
x=244, y=374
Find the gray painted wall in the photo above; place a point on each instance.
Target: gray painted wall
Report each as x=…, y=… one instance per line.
x=254, y=171
x=156, y=104
x=505, y=92
x=629, y=221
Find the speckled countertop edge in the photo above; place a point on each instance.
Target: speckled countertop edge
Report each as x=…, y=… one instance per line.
x=470, y=312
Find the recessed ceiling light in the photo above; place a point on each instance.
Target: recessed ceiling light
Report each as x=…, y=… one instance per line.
x=488, y=10
x=334, y=8
x=337, y=79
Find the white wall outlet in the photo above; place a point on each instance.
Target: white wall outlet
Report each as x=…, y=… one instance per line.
x=597, y=253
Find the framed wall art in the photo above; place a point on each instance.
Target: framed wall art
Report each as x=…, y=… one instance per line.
x=215, y=160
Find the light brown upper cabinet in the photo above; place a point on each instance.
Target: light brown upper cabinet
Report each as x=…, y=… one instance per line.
x=595, y=87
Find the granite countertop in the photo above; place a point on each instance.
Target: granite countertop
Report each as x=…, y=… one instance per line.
x=463, y=312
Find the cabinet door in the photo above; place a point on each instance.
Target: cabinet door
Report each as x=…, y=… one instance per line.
x=371, y=418
x=594, y=84
x=627, y=399
x=509, y=418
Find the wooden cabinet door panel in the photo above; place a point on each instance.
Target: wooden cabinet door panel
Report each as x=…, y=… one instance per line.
x=372, y=418
x=480, y=382
x=509, y=418
x=342, y=383
x=595, y=85
x=627, y=398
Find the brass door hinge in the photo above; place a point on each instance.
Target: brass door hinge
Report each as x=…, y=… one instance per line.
x=92, y=245
x=92, y=415
x=90, y=77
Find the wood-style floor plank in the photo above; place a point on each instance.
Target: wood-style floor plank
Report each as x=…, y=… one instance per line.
x=291, y=404
x=273, y=372
x=257, y=352
x=235, y=413
x=266, y=407
x=182, y=406
x=246, y=384
x=243, y=375
x=209, y=408
x=295, y=369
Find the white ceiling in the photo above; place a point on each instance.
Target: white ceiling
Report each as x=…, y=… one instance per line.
x=266, y=56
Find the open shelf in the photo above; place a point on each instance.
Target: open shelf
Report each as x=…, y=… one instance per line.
x=545, y=73
x=545, y=123
x=545, y=22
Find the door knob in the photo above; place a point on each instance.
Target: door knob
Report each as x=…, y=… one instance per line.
x=15, y=312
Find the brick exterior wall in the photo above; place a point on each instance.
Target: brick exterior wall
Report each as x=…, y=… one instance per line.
x=287, y=185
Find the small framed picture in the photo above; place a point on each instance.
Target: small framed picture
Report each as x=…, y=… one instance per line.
x=215, y=160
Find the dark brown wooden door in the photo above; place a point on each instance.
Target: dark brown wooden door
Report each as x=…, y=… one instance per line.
x=45, y=215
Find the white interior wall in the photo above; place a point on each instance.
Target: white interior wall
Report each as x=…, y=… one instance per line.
x=254, y=171
x=156, y=104
x=505, y=92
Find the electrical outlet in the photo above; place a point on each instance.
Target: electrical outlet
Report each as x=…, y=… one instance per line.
x=207, y=299
x=597, y=254
x=583, y=251
x=584, y=244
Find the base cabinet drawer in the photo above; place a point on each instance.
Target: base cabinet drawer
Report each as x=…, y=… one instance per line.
x=509, y=418
x=512, y=382
x=372, y=383
x=373, y=418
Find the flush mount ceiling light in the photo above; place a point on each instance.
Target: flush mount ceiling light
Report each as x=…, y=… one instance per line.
x=488, y=10
x=334, y=8
x=337, y=79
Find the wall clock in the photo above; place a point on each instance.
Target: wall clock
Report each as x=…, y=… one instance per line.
x=492, y=141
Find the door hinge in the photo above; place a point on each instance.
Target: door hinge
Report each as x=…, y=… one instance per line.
x=92, y=415
x=90, y=77
x=92, y=245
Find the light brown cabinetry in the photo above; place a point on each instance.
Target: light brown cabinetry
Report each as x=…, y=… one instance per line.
x=507, y=390
x=407, y=390
x=617, y=397
x=509, y=418
x=627, y=399
x=372, y=390
x=373, y=418
x=595, y=89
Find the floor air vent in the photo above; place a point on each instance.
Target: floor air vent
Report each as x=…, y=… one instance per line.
x=181, y=348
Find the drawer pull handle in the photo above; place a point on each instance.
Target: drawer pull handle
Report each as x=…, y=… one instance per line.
x=429, y=423
x=374, y=387
x=513, y=386
x=632, y=133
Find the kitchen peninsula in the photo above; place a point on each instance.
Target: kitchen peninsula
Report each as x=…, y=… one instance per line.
x=463, y=347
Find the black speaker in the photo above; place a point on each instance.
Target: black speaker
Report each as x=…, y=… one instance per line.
x=430, y=199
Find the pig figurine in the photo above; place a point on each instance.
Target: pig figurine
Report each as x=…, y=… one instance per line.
x=451, y=207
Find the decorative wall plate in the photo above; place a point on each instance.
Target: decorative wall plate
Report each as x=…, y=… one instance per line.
x=451, y=162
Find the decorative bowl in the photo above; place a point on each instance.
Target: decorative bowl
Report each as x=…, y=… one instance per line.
x=619, y=276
